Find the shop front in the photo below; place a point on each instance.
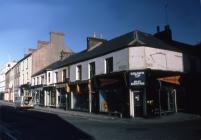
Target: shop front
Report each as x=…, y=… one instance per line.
x=50, y=96
x=164, y=93
x=25, y=90
x=137, y=93
x=63, y=97
x=79, y=96
x=38, y=95
x=112, y=94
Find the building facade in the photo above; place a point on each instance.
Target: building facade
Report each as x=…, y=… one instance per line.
x=136, y=74
x=3, y=72
x=19, y=78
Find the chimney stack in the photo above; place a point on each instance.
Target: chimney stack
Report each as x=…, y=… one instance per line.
x=56, y=38
x=94, y=35
x=165, y=35
x=42, y=44
x=93, y=42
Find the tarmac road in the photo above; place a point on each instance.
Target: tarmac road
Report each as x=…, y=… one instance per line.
x=37, y=125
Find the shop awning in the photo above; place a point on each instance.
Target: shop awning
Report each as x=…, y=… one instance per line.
x=171, y=79
x=112, y=80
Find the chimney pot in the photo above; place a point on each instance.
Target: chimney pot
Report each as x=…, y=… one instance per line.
x=167, y=27
x=94, y=35
x=101, y=36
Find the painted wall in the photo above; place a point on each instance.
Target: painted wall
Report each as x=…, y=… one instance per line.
x=4, y=68
x=25, y=70
x=136, y=58
x=120, y=62
x=60, y=74
x=154, y=58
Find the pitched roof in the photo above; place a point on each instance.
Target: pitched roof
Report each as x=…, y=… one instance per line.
x=135, y=38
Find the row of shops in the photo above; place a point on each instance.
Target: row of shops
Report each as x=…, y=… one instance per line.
x=127, y=93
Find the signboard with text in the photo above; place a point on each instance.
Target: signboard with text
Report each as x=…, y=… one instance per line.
x=136, y=78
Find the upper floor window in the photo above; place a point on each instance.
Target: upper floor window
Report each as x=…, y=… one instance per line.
x=79, y=72
x=109, y=65
x=22, y=65
x=37, y=80
x=34, y=81
x=23, y=79
x=92, y=70
x=42, y=79
x=27, y=76
x=27, y=64
x=68, y=76
x=56, y=77
x=64, y=75
x=49, y=77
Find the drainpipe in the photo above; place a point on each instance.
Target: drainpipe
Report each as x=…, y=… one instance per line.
x=131, y=100
x=175, y=99
x=159, y=97
x=144, y=102
x=90, y=96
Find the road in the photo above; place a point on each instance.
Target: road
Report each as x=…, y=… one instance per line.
x=35, y=125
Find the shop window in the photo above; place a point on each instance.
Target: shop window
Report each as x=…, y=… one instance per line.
x=92, y=70
x=109, y=65
x=79, y=72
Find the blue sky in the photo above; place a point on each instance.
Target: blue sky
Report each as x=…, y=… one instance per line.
x=24, y=22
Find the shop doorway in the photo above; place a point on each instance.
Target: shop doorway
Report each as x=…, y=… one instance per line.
x=168, y=100
x=138, y=103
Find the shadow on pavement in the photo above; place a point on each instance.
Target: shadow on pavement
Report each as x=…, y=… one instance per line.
x=33, y=125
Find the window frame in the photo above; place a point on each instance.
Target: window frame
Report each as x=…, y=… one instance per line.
x=109, y=67
x=64, y=75
x=92, y=70
x=79, y=72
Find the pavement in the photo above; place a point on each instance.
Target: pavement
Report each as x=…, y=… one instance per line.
x=176, y=117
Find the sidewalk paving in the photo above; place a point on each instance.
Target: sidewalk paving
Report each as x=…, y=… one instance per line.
x=74, y=113
x=177, y=117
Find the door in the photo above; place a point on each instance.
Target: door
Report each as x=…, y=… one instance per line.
x=138, y=106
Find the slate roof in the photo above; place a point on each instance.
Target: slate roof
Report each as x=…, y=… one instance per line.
x=135, y=38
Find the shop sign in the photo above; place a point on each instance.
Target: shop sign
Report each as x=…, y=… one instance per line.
x=136, y=78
